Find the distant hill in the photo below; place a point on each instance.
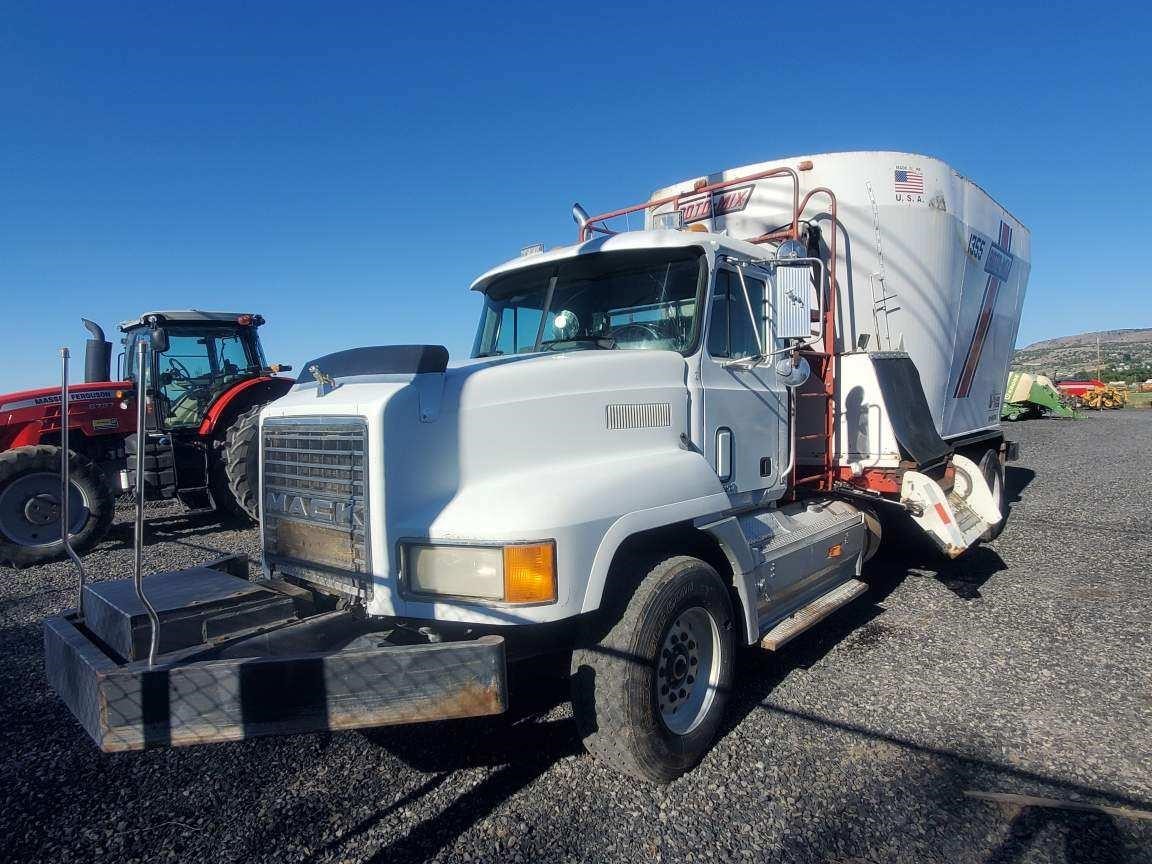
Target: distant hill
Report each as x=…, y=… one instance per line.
x=1124, y=354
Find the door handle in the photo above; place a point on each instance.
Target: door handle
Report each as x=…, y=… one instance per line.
x=724, y=454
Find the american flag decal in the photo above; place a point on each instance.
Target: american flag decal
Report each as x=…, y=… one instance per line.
x=987, y=307
x=909, y=181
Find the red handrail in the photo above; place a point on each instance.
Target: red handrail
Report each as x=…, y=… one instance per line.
x=828, y=362
x=590, y=226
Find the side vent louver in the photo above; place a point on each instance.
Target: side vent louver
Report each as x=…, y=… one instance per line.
x=645, y=415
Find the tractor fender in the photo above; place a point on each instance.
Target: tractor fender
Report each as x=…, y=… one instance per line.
x=23, y=435
x=239, y=398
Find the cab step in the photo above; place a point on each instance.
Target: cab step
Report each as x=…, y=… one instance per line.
x=812, y=614
x=197, y=499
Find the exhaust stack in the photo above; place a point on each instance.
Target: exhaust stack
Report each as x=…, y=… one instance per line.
x=97, y=354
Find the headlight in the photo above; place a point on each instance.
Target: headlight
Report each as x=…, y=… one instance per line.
x=463, y=571
x=517, y=573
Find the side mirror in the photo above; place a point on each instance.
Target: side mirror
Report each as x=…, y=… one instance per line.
x=793, y=373
x=159, y=337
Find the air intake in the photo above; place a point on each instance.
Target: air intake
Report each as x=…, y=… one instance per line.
x=644, y=415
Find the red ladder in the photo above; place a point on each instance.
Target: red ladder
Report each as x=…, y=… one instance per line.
x=823, y=363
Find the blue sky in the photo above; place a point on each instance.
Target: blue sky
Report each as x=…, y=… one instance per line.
x=347, y=168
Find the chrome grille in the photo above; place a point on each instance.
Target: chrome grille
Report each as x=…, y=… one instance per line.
x=314, y=490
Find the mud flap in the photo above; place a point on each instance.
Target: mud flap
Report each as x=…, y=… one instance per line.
x=955, y=520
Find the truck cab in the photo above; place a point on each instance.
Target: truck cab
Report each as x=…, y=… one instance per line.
x=612, y=390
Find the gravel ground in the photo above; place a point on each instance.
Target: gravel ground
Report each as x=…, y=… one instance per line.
x=1023, y=668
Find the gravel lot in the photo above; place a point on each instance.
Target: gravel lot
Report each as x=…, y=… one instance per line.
x=1023, y=668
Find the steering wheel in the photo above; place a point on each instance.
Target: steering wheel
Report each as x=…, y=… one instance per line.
x=180, y=371
x=636, y=331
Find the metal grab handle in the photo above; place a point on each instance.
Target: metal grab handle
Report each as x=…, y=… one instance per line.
x=763, y=355
x=66, y=481
x=751, y=314
x=141, y=436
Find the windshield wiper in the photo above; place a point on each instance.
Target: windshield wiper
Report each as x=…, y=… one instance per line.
x=495, y=352
x=598, y=341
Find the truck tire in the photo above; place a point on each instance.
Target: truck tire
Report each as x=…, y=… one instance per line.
x=30, y=502
x=650, y=693
x=993, y=471
x=239, y=487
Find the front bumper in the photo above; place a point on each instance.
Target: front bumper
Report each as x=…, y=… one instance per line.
x=182, y=700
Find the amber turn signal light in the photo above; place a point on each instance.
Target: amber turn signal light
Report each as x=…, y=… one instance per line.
x=530, y=573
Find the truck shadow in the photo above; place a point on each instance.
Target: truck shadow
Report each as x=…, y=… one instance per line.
x=1086, y=838
x=1016, y=480
x=946, y=782
x=909, y=552
x=536, y=689
x=522, y=745
x=519, y=749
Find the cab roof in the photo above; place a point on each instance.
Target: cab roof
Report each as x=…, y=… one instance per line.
x=658, y=239
x=187, y=316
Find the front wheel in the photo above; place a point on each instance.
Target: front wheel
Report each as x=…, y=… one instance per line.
x=650, y=693
x=30, y=505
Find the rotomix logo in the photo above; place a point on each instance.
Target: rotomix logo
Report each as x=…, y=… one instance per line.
x=326, y=511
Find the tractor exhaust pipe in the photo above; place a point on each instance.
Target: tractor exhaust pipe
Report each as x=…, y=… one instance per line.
x=97, y=354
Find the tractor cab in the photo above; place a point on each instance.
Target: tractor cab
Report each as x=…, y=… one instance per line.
x=198, y=357
x=206, y=382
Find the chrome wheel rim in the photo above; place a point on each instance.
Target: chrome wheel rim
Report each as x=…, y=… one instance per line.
x=30, y=509
x=688, y=670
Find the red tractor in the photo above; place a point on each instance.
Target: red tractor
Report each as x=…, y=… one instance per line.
x=207, y=383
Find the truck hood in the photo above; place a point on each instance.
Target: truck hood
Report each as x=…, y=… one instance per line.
x=513, y=448
x=496, y=415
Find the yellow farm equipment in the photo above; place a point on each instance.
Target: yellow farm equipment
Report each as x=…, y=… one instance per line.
x=1093, y=394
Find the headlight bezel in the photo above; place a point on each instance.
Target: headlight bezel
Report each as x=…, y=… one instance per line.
x=410, y=589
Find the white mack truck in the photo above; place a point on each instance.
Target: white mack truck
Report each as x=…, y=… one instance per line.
x=673, y=437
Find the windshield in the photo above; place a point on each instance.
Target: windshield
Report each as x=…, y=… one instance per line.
x=645, y=299
x=200, y=363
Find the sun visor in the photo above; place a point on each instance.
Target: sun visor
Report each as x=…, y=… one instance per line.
x=379, y=360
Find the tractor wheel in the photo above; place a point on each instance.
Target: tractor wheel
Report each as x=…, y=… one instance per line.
x=30, y=505
x=238, y=479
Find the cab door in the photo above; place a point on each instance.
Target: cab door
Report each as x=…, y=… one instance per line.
x=745, y=406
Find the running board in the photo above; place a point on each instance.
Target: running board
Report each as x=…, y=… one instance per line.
x=812, y=614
